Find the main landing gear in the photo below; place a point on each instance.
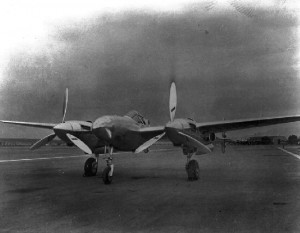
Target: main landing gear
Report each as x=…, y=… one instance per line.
x=107, y=173
x=192, y=168
x=91, y=166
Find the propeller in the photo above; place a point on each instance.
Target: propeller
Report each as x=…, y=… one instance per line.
x=80, y=144
x=172, y=109
x=172, y=125
x=50, y=137
x=190, y=140
x=65, y=105
x=43, y=141
x=172, y=101
x=149, y=143
x=196, y=143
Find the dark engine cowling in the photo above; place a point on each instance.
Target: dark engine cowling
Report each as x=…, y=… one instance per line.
x=212, y=137
x=188, y=150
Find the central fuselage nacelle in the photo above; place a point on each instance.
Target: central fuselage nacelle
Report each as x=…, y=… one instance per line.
x=120, y=132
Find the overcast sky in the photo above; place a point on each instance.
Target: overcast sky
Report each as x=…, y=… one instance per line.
x=230, y=59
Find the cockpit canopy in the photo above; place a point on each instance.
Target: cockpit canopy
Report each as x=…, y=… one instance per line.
x=135, y=115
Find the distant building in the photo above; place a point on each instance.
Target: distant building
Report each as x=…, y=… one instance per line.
x=278, y=139
x=25, y=142
x=266, y=140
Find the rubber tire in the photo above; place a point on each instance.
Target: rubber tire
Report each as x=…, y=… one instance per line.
x=90, y=167
x=107, y=179
x=192, y=169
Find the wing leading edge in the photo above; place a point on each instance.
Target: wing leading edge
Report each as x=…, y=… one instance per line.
x=31, y=124
x=151, y=131
x=222, y=126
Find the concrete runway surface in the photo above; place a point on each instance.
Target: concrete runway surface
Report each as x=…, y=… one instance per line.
x=248, y=189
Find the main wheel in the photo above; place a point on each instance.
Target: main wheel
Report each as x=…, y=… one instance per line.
x=107, y=179
x=192, y=169
x=90, y=167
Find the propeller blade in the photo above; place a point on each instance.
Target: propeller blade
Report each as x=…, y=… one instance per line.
x=149, y=143
x=172, y=101
x=80, y=144
x=65, y=106
x=43, y=141
x=196, y=143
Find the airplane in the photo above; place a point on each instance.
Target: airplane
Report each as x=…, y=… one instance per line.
x=132, y=132
x=123, y=134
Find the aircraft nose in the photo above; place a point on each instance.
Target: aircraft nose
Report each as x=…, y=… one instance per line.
x=63, y=127
x=103, y=133
x=172, y=128
x=173, y=125
x=102, y=122
x=101, y=128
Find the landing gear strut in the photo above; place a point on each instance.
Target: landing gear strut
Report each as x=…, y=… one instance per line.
x=107, y=173
x=192, y=168
x=91, y=166
x=223, y=143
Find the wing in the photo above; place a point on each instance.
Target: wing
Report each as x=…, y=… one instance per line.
x=31, y=124
x=223, y=126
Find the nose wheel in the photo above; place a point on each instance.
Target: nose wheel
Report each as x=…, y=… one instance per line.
x=192, y=168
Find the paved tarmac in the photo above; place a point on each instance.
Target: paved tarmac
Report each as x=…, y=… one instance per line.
x=248, y=189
